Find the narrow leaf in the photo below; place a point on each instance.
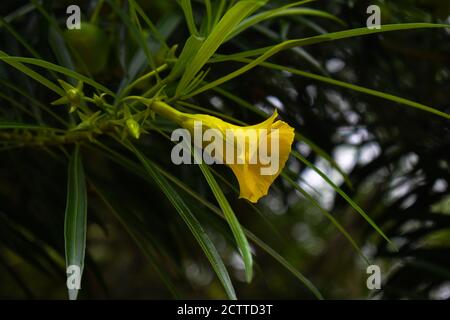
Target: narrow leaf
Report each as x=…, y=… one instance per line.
x=235, y=226
x=75, y=221
x=217, y=36
x=194, y=225
x=268, y=52
x=17, y=63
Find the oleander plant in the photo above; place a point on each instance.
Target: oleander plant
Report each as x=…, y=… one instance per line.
x=94, y=206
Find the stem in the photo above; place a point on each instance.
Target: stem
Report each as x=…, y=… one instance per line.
x=161, y=108
x=168, y=112
x=144, y=77
x=51, y=137
x=88, y=134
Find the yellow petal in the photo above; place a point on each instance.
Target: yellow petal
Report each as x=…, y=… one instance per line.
x=252, y=184
x=266, y=124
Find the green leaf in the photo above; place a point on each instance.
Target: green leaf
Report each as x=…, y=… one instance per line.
x=324, y=155
x=60, y=49
x=209, y=17
x=189, y=16
x=19, y=38
x=31, y=73
x=253, y=206
x=33, y=101
x=116, y=157
x=327, y=215
x=357, y=88
x=285, y=264
x=268, y=52
x=161, y=38
x=279, y=12
x=233, y=222
x=189, y=51
x=15, y=125
x=265, y=247
x=217, y=36
x=134, y=228
x=349, y=200
x=75, y=216
x=134, y=28
x=17, y=63
x=200, y=235
x=54, y=25
x=140, y=36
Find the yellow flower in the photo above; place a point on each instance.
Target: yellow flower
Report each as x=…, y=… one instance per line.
x=272, y=139
x=252, y=184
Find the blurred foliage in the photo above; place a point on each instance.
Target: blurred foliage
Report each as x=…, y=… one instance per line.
x=397, y=159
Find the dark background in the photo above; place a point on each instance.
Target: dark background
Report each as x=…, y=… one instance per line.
x=397, y=159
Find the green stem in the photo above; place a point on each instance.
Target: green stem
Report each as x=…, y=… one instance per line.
x=161, y=108
x=144, y=77
x=168, y=112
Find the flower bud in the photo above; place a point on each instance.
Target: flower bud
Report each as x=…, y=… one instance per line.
x=133, y=128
